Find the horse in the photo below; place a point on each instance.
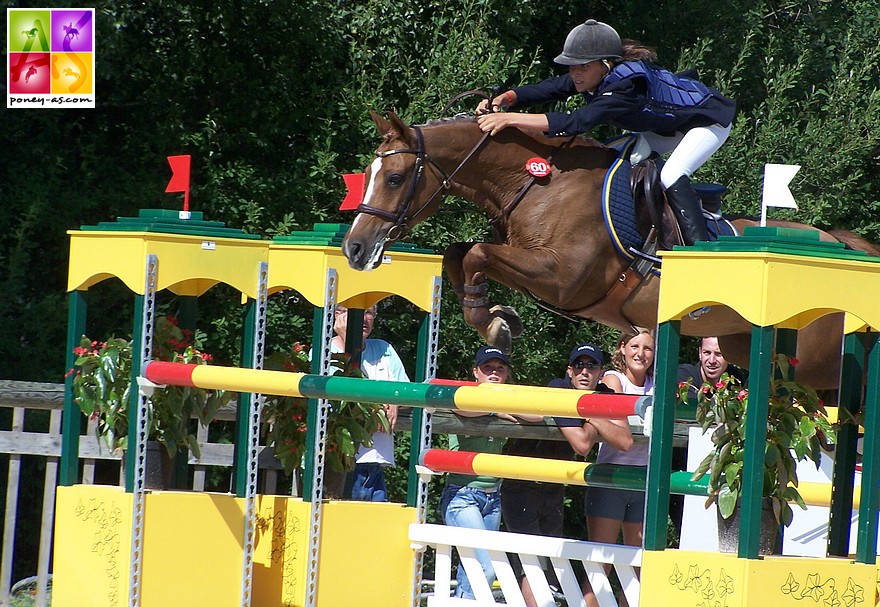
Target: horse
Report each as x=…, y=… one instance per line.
x=553, y=244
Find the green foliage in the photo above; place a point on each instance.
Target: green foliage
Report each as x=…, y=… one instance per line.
x=797, y=429
x=102, y=389
x=349, y=425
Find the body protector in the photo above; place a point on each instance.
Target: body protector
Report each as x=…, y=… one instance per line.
x=666, y=90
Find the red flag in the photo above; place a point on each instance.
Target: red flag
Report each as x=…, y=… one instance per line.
x=355, y=184
x=180, y=177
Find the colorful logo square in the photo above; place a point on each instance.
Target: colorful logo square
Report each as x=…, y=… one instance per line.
x=29, y=73
x=72, y=31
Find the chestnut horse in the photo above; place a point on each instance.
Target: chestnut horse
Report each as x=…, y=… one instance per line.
x=554, y=244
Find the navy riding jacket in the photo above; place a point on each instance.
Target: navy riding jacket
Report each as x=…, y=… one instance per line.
x=635, y=96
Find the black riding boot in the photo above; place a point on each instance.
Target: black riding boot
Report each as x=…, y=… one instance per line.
x=686, y=204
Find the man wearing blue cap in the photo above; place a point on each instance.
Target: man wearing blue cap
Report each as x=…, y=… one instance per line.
x=475, y=501
x=537, y=508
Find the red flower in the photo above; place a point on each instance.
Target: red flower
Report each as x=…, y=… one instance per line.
x=705, y=389
x=793, y=361
x=720, y=385
x=741, y=396
x=682, y=385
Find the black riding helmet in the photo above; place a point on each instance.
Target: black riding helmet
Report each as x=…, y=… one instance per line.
x=590, y=41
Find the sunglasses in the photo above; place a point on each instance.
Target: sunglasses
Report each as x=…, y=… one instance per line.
x=580, y=365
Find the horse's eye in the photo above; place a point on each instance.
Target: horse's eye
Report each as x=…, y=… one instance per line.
x=394, y=180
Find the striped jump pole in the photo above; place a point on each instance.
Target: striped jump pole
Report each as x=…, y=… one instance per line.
x=553, y=471
x=585, y=474
x=487, y=397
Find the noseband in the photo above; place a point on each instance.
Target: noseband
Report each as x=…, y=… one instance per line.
x=401, y=218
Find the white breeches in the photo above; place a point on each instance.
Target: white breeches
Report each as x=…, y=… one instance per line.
x=688, y=150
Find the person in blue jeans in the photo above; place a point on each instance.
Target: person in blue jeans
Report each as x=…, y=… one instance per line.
x=475, y=501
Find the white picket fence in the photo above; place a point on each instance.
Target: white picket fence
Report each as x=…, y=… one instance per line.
x=561, y=552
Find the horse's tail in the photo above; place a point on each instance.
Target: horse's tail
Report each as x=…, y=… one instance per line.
x=854, y=241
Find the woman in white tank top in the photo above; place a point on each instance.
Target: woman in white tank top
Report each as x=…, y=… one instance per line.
x=610, y=510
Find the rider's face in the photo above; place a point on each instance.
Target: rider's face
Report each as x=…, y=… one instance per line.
x=587, y=76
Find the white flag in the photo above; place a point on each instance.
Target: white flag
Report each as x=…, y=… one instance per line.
x=776, y=192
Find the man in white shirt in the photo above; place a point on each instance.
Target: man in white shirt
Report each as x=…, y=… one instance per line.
x=379, y=360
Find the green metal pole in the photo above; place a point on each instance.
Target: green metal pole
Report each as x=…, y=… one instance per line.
x=242, y=413
x=662, y=430
x=845, y=455
x=312, y=415
x=866, y=547
x=418, y=414
x=71, y=419
x=756, y=438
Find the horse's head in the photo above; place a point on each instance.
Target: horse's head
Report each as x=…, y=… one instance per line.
x=395, y=199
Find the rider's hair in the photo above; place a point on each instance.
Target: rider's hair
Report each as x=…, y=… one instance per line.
x=633, y=50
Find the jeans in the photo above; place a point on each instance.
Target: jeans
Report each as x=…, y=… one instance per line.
x=473, y=509
x=366, y=483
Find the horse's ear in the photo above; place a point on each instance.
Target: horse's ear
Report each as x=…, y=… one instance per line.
x=383, y=125
x=399, y=125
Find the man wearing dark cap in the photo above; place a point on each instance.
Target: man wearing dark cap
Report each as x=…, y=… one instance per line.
x=537, y=508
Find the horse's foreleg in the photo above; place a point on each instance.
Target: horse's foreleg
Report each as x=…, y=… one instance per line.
x=498, y=325
x=453, y=258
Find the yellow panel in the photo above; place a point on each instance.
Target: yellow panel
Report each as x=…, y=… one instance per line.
x=794, y=582
x=188, y=265
x=282, y=541
x=303, y=268
x=366, y=559
x=687, y=579
x=193, y=549
x=92, y=546
x=690, y=579
x=784, y=290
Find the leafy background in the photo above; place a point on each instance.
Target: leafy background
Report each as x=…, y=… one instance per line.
x=271, y=99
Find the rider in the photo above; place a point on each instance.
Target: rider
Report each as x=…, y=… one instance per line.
x=672, y=112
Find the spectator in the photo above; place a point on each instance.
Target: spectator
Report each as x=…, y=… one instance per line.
x=610, y=511
x=475, y=502
x=379, y=360
x=709, y=368
x=537, y=508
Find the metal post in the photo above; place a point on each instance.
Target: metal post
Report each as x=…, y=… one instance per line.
x=138, y=424
x=258, y=345
x=316, y=436
x=420, y=434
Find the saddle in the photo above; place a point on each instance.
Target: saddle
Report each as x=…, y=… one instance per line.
x=648, y=194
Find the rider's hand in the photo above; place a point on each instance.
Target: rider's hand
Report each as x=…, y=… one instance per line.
x=500, y=102
x=493, y=122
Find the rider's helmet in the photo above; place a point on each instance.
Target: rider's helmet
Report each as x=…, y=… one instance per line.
x=590, y=41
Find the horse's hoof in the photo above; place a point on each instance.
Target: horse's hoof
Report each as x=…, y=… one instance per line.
x=509, y=314
x=498, y=335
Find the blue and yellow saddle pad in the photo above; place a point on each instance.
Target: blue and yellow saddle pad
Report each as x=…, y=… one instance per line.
x=618, y=207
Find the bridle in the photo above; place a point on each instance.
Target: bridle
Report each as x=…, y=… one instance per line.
x=401, y=218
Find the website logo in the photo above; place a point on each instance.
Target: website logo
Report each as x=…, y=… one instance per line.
x=50, y=58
